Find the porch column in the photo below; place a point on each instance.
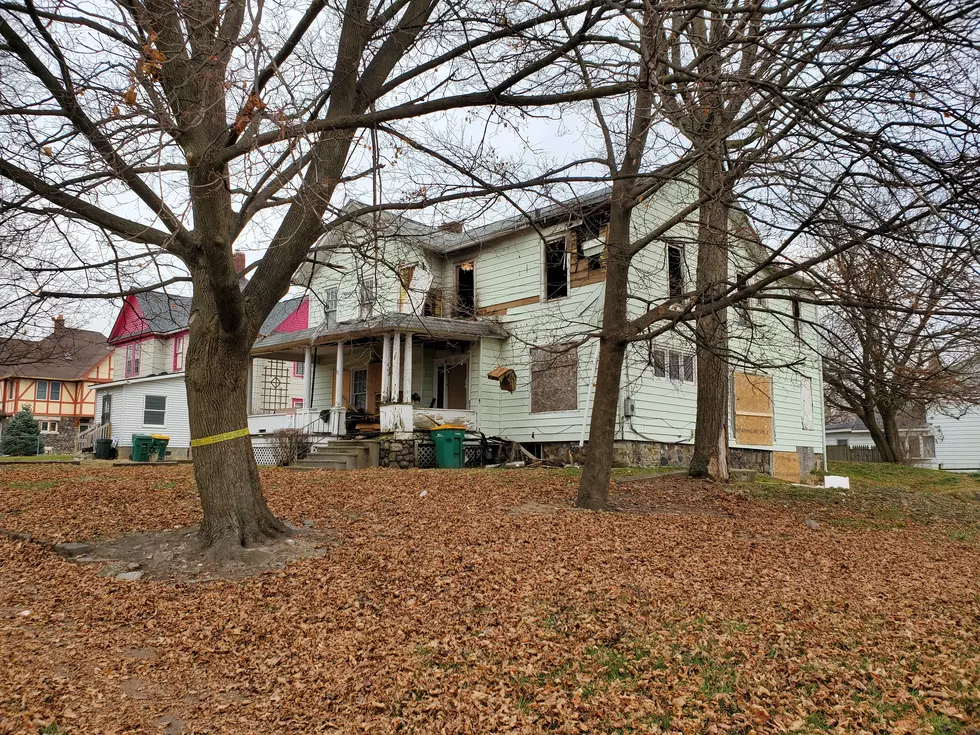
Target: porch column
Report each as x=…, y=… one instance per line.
x=338, y=377
x=407, y=379
x=386, y=369
x=307, y=374
x=396, y=356
x=250, y=386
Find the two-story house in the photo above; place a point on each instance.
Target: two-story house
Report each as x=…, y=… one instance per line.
x=57, y=377
x=148, y=396
x=413, y=326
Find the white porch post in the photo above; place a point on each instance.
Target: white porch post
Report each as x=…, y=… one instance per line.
x=250, y=386
x=407, y=377
x=338, y=377
x=386, y=369
x=396, y=356
x=307, y=375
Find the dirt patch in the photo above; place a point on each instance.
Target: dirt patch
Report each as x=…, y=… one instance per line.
x=534, y=508
x=175, y=555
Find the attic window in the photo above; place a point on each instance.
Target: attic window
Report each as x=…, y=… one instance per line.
x=556, y=270
x=465, y=290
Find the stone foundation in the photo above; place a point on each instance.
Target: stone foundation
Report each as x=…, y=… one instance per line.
x=398, y=453
x=759, y=460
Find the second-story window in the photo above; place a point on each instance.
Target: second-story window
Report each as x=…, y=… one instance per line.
x=179, y=353
x=465, y=289
x=330, y=306
x=555, y=269
x=54, y=391
x=11, y=389
x=133, y=353
x=41, y=390
x=366, y=300
x=797, y=317
x=675, y=271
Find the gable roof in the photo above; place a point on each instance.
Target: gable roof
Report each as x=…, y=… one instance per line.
x=65, y=354
x=155, y=312
x=281, y=312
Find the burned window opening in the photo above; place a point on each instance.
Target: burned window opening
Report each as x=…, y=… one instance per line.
x=465, y=290
x=675, y=271
x=556, y=269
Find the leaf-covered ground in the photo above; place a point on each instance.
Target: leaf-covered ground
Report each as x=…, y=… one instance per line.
x=489, y=605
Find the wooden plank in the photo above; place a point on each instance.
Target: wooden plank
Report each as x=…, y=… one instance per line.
x=753, y=430
x=753, y=394
x=786, y=466
x=501, y=309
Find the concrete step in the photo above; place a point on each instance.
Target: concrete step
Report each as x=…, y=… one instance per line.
x=325, y=463
x=366, y=449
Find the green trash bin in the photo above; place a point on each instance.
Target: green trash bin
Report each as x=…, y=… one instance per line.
x=141, y=448
x=448, y=439
x=103, y=448
x=158, y=448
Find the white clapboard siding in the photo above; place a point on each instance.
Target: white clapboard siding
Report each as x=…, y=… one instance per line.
x=957, y=439
x=127, y=409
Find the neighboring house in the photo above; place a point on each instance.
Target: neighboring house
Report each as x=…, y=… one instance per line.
x=148, y=395
x=413, y=326
x=57, y=377
x=919, y=440
x=957, y=439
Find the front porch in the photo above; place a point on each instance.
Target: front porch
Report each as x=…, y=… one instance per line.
x=392, y=375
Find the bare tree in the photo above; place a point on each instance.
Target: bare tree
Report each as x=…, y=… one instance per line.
x=902, y=333
x=782, y=112
x=151, y=137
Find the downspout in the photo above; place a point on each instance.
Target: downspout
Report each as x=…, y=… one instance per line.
x=590, y=391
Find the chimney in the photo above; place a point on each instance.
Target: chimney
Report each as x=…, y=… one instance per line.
x=59, y=324
x=238, y=262
x=454, y=226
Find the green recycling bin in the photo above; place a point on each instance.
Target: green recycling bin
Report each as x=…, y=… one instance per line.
x=448, y=439
x=159, y=446
x=103, y=448
x=141, y=448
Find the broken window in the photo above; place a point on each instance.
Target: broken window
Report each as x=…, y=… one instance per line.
x=366, y=299
x=554, y=379
x=675, y=271
x=742, y=307
x=405, y=274
x=465, y=290
x=556, y=269
x=330, y=306
x=590, y=239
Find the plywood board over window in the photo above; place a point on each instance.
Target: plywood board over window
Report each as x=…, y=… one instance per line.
x=752, y=396
x=554, y=379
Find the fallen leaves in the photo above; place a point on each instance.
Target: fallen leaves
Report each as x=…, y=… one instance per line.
x=449, y=612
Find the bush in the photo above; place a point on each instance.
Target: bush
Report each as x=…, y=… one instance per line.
x=288, y=445
x=22, y=435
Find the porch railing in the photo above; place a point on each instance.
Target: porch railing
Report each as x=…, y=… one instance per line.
x=86, y=439
x=292, y=445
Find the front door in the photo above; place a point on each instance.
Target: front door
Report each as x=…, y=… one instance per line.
x=452, y=381
x=106, y=409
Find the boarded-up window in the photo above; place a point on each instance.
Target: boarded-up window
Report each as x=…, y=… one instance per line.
x=554, y=379
x=806, y=404
x=753, y=409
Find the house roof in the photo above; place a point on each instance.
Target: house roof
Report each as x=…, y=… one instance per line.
x=65, y=354
x=855, y=425
x=155, y=312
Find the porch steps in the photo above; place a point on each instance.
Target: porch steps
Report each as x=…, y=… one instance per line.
x=341, y=454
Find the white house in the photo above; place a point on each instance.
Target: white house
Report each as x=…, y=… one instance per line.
x=413, y=326
x=956, y=435
x=147, y=393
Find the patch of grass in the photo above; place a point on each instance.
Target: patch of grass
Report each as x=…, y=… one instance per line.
x=37, y=458
x=52, y=729
x=169, y=485
x=615, y=664
x=943, y=725
x=717, y=677
x=626, y=471
x=818, y=721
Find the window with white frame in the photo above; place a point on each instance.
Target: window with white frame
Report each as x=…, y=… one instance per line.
x=366, y=300
x=806, y=403
x=358, y=389
x=49, y=427
x=54, y=390
x=41, y=390
x=299, y=369
x=179, y=346
x=330, y=306
x=676, y=365
x=133, y=353
x=154, y=410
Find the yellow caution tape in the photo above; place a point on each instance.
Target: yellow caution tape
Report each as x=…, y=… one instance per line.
x=219, y=437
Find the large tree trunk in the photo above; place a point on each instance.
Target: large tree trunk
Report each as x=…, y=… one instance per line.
x=235, y=512
x=711, y=331
x=593, y=489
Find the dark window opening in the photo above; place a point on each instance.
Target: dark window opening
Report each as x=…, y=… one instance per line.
x=742, y=306
x=675, y=271
x=465, y=290
x=797, y=316
x=556, y=270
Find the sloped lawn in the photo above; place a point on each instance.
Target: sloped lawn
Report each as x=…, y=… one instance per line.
x=489, y=605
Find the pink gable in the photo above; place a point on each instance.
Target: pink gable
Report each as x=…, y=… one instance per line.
x=129, y=323
x=299, y=319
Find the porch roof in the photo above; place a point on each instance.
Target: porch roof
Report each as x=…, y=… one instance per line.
x=432, y=326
